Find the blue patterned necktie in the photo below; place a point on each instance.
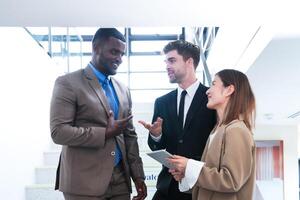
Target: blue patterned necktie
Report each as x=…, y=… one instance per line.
x=113, y=103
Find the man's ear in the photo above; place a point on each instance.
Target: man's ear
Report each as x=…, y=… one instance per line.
x=190, y=61
x=229, y=90
x=96, y=48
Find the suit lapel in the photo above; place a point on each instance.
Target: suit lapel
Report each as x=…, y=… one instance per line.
x=173, y=112
x=96, y=86
x=215, y=147
x=173, y=105
x=203, y=158
x=197, y=102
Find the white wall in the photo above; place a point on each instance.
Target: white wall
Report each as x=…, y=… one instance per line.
x=288, y=133
x=27, y=78
x=274, y=77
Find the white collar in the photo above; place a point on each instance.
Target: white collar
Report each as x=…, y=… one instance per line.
x=191, y=90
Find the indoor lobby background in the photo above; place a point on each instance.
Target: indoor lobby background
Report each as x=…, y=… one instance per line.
x=39, y=42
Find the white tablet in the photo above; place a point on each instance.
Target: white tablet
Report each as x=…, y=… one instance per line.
x=161, y=156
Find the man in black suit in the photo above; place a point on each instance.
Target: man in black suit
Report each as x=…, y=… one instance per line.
x=181, y=121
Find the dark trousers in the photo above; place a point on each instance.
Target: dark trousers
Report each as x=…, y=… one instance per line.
x=173, y=193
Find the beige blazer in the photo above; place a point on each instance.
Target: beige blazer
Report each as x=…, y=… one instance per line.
x=78, y=119
x=229, y=170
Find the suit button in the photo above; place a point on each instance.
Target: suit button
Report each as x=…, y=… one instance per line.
x=113, y=153
x=154, y=146
x=180, y=141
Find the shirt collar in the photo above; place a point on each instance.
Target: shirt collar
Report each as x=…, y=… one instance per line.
x=191, y=90
x=101, y=77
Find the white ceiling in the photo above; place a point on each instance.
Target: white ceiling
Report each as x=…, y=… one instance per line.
x=144, y=12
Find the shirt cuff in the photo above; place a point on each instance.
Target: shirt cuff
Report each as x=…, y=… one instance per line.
x=156, y=139
x=183, y=185
x=192, y=172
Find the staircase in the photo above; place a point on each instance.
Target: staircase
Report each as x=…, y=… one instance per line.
x=43, y=188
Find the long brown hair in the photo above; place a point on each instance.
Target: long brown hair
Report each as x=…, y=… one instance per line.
x=242, y=101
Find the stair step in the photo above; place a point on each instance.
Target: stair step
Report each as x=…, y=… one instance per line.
x=51, y=158
x=42, y=192
x=45, y=175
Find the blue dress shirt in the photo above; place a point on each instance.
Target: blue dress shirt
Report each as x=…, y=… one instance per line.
x=113, y=102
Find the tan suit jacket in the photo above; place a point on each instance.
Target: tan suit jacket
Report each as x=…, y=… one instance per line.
x=229, y=170
x=78, y=119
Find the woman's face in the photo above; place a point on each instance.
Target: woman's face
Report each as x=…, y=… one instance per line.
x=217, y=94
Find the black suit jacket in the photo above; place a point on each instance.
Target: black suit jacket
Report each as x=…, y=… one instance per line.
x=191, y=141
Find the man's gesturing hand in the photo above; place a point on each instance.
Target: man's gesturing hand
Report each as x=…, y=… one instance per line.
x=115, y=127
x=155, y=128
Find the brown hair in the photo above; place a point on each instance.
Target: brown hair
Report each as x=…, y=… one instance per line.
x=185, y=49
x=242, y=101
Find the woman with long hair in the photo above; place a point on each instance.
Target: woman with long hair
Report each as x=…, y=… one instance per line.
x=227, y=168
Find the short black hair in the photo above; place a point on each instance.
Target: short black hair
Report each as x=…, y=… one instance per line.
x=185, y=49
x=103, y=34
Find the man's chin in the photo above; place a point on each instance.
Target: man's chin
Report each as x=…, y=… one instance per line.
x=113, y=72
x=172, y=80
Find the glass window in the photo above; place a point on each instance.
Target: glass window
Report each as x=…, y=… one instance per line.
x=122, y=77
x=61, y=61
x=148, y=46
x=147, y=95
x=150, y=81
x=38, y=30
x=86, y=60
x=59, y=31
x=87, y=47
x=75, y=63
x=58, y=47
x=124, y=65
x=45, y=45
x=147, y=63
x=75, y=47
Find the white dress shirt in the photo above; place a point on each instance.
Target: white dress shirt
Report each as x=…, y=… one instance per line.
x=191, y=91
x=192, y=171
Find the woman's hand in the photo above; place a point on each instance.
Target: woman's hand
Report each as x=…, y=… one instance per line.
x=177, y=175
x=179, y=163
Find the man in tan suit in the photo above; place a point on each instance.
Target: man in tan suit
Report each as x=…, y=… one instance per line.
x=91, y=117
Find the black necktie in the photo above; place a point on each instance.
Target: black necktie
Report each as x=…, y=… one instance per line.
x=181, y=108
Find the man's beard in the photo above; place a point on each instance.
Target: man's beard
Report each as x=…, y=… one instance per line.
x=108, y=69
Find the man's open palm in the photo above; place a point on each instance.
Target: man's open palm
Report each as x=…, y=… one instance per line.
x=155, y=128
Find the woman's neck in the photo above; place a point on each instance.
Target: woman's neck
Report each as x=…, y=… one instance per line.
x=220, y=113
